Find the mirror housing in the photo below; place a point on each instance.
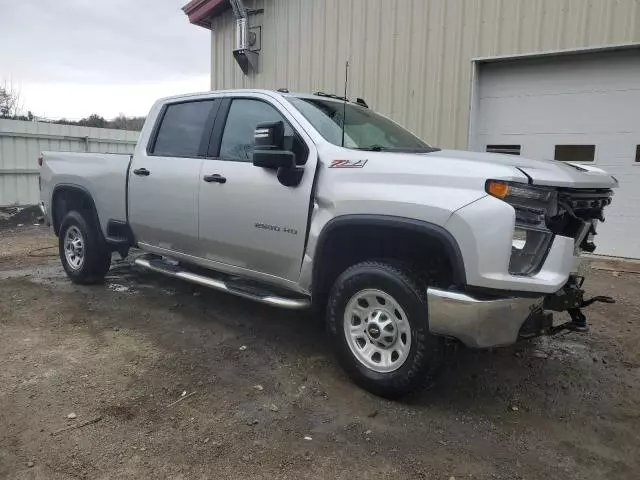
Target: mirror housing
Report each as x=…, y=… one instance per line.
x=269, y=149
x=269, y=152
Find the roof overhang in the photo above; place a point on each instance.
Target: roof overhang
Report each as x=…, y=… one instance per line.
x=201, y=12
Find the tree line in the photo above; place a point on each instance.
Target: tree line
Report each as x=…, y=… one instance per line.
x=121, y=122
x=11, y=108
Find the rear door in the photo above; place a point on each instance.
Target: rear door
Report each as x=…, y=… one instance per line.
x=248, y=220
x=164, y=177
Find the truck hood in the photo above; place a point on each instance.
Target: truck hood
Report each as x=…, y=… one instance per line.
x=541, y=172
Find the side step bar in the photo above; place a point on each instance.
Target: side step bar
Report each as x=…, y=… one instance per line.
x=265, y=297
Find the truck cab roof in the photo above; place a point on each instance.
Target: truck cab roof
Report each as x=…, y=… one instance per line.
x=271, y=93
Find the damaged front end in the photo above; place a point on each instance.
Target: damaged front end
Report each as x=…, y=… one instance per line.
x=578, y=213
x=577, y=216
x=570, y=299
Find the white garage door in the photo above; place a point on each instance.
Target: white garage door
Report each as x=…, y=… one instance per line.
x=582, y=107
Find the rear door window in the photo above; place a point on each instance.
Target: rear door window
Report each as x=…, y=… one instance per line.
x=183, y=127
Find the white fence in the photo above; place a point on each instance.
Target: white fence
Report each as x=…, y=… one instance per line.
x=22, y=142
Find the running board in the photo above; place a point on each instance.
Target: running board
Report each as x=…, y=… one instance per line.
x=241, y=290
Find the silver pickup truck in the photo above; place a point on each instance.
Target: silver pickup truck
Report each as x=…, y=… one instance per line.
x=300, y=200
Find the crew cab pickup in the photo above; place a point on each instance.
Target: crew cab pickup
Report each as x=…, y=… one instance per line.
x=298, y=200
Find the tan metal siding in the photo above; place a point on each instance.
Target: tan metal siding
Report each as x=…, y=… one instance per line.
x=22, y=142
x=411, y=59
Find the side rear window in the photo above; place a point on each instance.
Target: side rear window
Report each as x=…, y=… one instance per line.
x=182, y=127
x=238, y=136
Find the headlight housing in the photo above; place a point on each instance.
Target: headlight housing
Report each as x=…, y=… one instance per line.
x=531, y=237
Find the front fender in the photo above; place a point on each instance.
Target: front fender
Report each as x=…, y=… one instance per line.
x=317, y=250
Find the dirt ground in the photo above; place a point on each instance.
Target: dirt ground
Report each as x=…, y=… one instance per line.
x=169, y=380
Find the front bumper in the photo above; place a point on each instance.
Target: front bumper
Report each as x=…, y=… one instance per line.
x=479, y=323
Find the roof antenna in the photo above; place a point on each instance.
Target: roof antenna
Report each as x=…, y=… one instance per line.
x=344, y=106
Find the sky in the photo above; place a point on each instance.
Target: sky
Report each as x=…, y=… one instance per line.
x=72, y=58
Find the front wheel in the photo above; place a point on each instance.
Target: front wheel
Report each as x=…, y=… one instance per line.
x=378, y=320
x=83, y=253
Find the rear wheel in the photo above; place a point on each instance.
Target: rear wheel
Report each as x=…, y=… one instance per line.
x=83, y=252
x=378, y=320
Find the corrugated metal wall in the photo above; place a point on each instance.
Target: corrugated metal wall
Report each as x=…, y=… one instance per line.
x=22, y=142
x=411, y=59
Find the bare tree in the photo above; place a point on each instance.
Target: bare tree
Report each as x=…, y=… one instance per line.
x=10, y=103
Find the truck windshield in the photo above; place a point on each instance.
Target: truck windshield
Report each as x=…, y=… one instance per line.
x=364, y=129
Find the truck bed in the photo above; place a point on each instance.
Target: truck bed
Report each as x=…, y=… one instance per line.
x=103, y=175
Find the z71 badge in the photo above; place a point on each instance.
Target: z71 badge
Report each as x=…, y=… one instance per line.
x=348, y=164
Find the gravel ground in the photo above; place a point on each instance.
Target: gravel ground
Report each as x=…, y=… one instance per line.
x=163, y=379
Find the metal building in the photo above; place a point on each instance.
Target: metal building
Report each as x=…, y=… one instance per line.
x=22, y=142
x=556, y=79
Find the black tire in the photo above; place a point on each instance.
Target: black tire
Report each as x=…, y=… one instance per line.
x=426, y=352
x=96, y=255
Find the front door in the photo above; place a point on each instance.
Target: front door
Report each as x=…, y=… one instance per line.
x=248, y=219
x=165, y=176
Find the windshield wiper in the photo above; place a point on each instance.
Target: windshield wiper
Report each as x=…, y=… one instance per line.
x=379, y=148
x=373, y=148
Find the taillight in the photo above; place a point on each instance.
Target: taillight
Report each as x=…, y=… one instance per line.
x=40, y=159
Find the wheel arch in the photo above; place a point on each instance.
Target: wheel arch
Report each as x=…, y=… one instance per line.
x=67, y=197
x=348, y=228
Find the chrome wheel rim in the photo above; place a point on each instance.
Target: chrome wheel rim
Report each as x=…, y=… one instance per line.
x=377, y=330
x=74, y=248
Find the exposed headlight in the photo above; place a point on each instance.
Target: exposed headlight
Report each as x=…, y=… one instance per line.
x=528, y=250
x=519, y=238
x=531, y=238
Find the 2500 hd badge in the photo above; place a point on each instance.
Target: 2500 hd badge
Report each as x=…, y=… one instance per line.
x=276, y=228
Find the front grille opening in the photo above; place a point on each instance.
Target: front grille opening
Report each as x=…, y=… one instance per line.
x=577, y=207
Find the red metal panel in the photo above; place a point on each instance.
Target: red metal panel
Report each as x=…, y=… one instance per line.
x=200, y=12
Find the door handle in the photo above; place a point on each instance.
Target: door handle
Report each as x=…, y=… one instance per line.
x=215, y=178
x=142, y=172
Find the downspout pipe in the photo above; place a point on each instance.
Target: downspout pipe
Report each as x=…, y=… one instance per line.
x=246, y=58
x=239, y=9
x=242, y=24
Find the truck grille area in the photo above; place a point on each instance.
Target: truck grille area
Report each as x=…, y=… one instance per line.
x=577, y=213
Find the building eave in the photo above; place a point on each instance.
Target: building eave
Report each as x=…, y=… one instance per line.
x=201, y=12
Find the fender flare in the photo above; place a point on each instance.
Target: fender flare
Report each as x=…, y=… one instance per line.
x=69, y=186
x=401, y=223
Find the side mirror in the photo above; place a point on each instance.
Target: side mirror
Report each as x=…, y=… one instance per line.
x=269, y=149
x=269, y=152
